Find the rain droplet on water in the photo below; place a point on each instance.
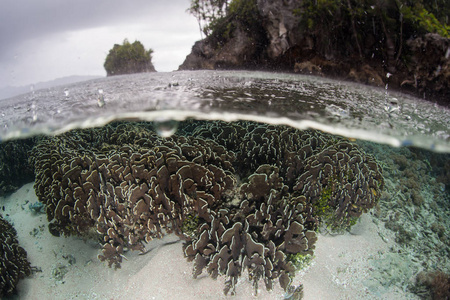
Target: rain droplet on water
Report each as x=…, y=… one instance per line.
x=101, y=98
x=32, y=92
x=34, y=116
x=165, y=127
x=66, y=92
x=392, y=105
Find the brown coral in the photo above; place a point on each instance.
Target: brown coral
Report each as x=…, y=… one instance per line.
x=339, y=180
x=14, y=168
x=257, y=235
x=341, y=183
x=242, y=195
x=13, y=259
x=436, y=284
x=130, y=193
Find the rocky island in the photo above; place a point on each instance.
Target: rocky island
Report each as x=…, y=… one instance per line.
x=128, y=58
x=404, y=45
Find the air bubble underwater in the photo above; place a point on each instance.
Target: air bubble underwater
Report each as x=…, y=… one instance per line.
x=165, y=127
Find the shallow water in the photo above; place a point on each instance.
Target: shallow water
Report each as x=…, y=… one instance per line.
x=407, y=228
x=342, y=108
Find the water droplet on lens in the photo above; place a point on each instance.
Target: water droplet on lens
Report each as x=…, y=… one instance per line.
x=165, y=127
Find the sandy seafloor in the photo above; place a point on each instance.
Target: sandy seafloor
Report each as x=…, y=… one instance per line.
x=70, y=269
x=369, y=262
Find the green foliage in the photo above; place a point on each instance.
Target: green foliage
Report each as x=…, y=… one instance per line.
x=128, y=58
x=218, y=18
x=321, y=207
x=190, y=225
x=329, y=21
x=208, y=12
x=337, y=12
x=321, y=11
x=424, y=21
x=332, y=20
x=347, y=25
x=326, y=212
x=244, y=11
x=300, y=261
x=439, y=8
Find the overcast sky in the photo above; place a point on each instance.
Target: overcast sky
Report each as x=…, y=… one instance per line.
x=41, y=40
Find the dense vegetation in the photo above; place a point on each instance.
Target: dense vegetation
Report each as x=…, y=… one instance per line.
x=420, y=16
x=207, y=12
x=219, y=19
x=128, y=58
x=214, y=16
x=372, y=28
x=352, y=29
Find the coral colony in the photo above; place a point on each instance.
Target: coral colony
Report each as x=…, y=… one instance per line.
x=243, y=196
x=13, y=259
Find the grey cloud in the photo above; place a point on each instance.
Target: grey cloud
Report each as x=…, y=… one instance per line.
x=27, y=19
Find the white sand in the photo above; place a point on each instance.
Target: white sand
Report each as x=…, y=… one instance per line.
x=341, y=269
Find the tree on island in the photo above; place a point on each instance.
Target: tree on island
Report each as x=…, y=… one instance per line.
x=208, y=12
x=128, y=58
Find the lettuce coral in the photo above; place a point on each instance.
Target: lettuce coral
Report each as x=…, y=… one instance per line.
x=14, y=168
x=243, y=196
x=14, y=264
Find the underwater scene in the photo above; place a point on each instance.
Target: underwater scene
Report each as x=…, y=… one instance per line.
x=223, y=185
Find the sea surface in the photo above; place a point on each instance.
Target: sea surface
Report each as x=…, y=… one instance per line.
x=408, y=137
x=342, y=108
